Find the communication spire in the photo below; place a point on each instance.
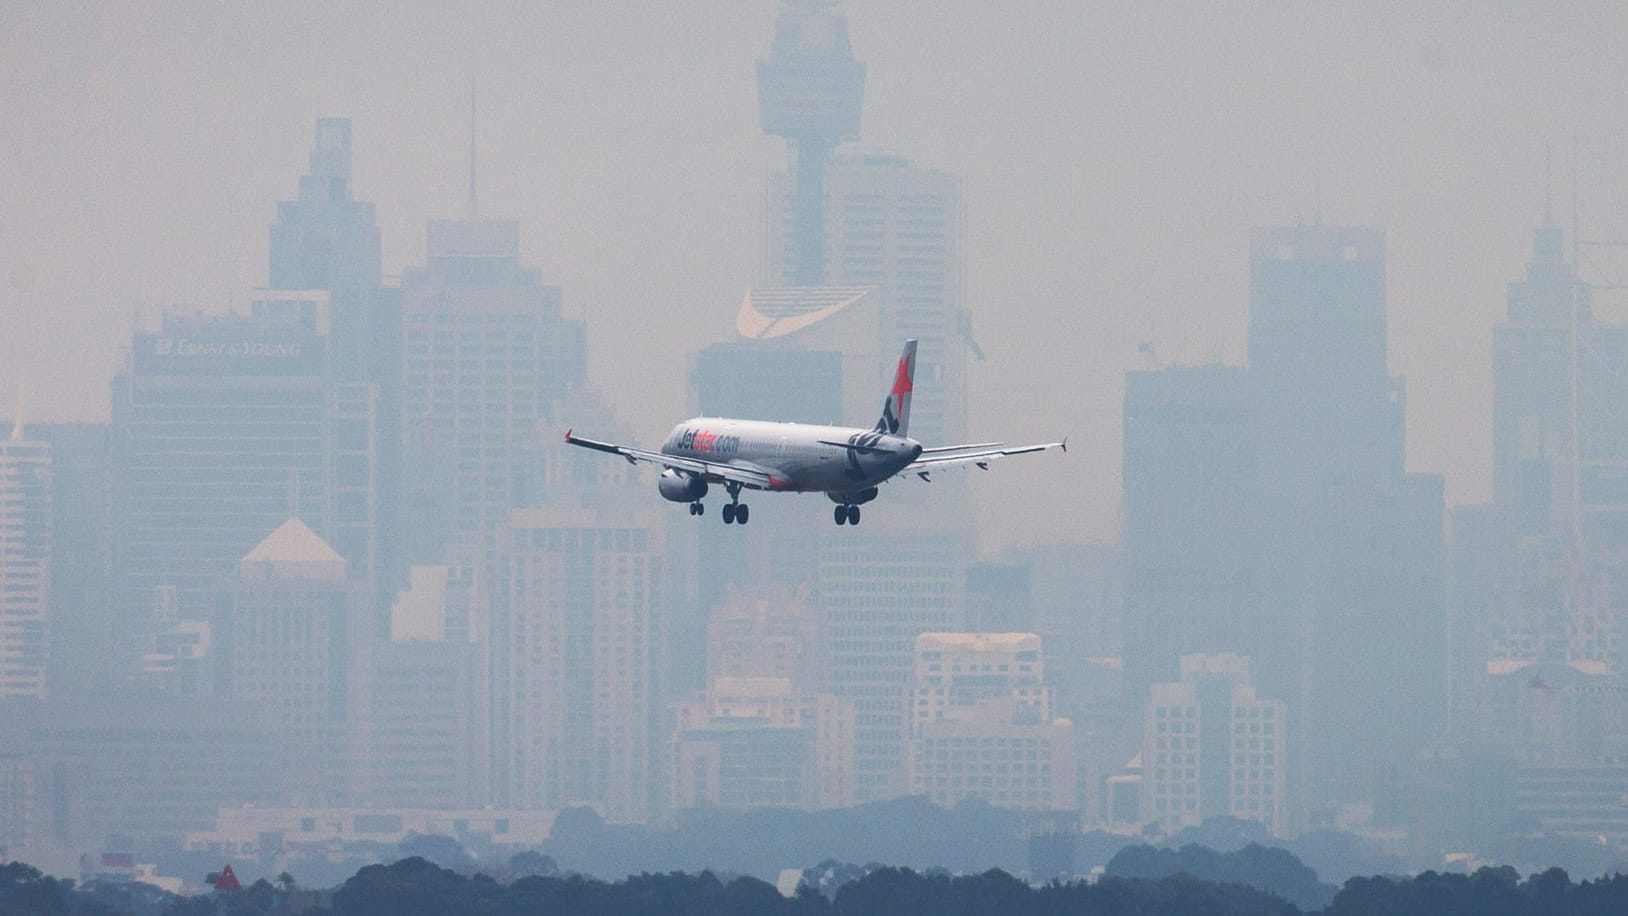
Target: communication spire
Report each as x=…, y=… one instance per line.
x=17, y=421
x=1317, y=184
x=1548, y=185
x=811, y=92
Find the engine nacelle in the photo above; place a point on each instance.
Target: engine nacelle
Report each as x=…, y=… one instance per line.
x=852, y=497
x=681, y=487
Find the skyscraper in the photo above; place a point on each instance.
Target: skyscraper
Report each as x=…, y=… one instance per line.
x=584, y=642
x=424, y=723
x=224, y=426
x=1212, y=747
x=324, y=239
x=1193, y=481
x=1533, y=359
x=863, y=251
x=1353, y=592
x=880, y=589
x=896, y=226
x=25, y=564
x=487, y=354
x=1560, y=452
x=1317, y=338
x=82, y=647
x=291, y=635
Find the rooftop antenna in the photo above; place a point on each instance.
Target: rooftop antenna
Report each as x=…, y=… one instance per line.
x=473, y=210
x=1574, y=217
x=1317, y=184
x=1548, y=185
x=17, y=423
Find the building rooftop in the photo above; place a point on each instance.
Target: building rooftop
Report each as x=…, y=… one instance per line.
x=293, y=551
x=770, y=312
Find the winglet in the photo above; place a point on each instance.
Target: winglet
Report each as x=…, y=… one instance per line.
x=568, y=436
x=1064, y=443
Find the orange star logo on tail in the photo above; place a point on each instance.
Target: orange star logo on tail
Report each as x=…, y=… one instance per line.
x=902, y=384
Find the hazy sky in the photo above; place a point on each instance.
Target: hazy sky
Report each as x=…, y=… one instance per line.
x=1113, y=156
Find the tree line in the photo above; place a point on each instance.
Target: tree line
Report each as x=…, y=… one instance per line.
x=418, y=887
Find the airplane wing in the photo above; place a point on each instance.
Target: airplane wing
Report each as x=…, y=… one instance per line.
x=980, y=455
x=743, y=474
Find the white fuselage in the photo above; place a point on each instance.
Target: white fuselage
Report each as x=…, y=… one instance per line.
x=797, y=456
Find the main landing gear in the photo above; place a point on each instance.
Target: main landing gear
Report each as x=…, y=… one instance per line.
x=847, y=510
x=736, y=510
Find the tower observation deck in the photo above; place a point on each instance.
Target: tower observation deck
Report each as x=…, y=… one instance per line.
x=810, y=91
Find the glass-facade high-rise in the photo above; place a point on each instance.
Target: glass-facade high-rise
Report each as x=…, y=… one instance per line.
x=1352, y=590
x=487, y=355
x=25, y=564
x=223, y=427
x=896, y=226
x=1192, y=548
x=324, y=239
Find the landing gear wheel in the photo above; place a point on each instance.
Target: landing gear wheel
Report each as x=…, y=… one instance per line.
x=853, y=515
x=742, y=514
x=700, y=508
x=729, y=514
x=840, y=515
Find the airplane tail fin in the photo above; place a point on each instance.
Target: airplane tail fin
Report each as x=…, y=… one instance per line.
x=895, y=417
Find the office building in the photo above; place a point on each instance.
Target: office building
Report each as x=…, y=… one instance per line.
x=424, y=730
x=1554, y=714
x=82, y=653
x=26, y=514
x=880, y=589
x=1193, y=482
x=981, y=724
x=1212, y=748
x=763, y=732
x=20, y=809
x=1317, y=337
x=128, y=767
x=487, y=356
x=327, y=241
x=752, y=743
x=1532, y=364
x=794, y=371
x=999, y=598
x=895, y=226
x=1356, y=543
x=324, y=239
x=291, y=636
x=584, y=642
x=223, y=427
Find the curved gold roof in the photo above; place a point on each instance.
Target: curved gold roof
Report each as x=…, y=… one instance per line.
x=770, y=312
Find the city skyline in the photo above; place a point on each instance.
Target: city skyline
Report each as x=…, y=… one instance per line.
x=335, y=509
x=1148, y=140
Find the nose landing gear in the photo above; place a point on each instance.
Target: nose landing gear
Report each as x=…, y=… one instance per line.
x=845, y=515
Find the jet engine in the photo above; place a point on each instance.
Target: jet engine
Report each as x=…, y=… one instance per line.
x=681, y=487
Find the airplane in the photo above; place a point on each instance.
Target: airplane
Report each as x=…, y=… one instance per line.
x=847, y=464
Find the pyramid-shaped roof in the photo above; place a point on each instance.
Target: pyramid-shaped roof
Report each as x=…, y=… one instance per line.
x=294, y=550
